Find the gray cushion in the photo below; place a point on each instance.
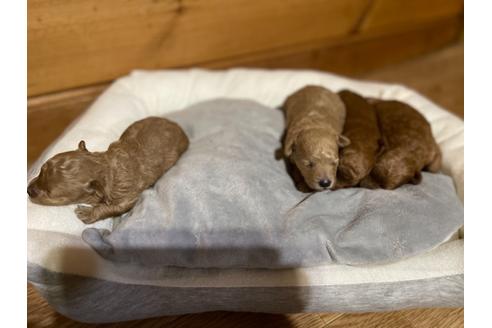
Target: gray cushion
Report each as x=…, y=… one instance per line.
x=229, y=203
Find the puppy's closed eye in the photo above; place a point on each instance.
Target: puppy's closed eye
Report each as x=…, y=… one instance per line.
x=67, y=166
x=309, y=164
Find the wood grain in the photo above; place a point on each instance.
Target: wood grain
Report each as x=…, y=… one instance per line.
x=48, y=115
x=77, y=43
x=371, y=320
x=384, y=14
x=435, y=318
x=329, y=317
x=439, y=76
x=360, y=53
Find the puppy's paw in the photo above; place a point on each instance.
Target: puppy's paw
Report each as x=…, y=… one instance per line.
x=369, y=183
x=85, y=214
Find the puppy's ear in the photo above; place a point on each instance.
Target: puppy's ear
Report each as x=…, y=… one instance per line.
x=289, y=144
x=278, y=154
x=82, y=146
x=343, y=141
x=96, y=188
x=417, y=178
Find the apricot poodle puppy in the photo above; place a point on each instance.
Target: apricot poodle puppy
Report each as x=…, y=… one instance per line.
x=408, y=147
x=314, y=122
x=361, y=127
x=111, y=181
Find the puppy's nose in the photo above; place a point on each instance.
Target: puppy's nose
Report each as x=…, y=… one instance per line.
x=324, y=183
x=32, y=191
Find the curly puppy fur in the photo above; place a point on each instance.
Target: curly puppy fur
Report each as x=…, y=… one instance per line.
x=314, y=118
x=408, y=147
x=111, y=181
x=361, y=127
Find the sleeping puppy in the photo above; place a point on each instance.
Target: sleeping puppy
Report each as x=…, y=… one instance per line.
x=361, y=127
x=110, y=181
x=314, y=120
x=408, y=147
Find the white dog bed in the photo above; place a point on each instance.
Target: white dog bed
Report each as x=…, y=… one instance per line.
x=82, y=285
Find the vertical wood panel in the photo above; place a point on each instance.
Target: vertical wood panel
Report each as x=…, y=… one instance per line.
x=48, y=115
x=76, y=43
x=359, y=54
x=384, y=14
x=426, y=75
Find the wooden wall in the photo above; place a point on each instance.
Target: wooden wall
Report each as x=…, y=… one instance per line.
x=75, y=48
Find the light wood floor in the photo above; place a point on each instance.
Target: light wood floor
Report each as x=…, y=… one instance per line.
x=439, y=76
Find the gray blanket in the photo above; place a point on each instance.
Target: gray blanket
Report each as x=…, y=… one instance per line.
x=229, y=203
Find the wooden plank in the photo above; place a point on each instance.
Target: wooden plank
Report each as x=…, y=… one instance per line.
x=77, y=43
x=371, y=320
x=360, y=53
x=329, y=317
x=384, y=14
x=302, y=320
x=49, y=115
x=426, y=74
x=435, y=318
x=247, y=320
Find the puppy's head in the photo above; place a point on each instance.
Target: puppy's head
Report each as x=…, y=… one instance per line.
x=66, y=178
x=315, y=153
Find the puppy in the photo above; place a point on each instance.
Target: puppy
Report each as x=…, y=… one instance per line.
x=314, y=119
x=408, y=147
x=110, y=181
x=361, y=127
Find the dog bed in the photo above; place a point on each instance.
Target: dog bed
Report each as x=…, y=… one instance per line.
x=103, y=279
x=228, y=203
